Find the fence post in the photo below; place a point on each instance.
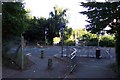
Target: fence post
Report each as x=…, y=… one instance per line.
x=22, y=52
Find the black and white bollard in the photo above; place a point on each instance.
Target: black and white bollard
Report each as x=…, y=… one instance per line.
x=50, y=63
x=97, y=53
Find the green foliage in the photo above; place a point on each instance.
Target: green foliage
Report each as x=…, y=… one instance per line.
x=38, y=26
x=57, y=17
x=14, y=19
x=36, y=31
x=107, y=41
x=85, y=37
x=92, y=39
x=92, y=42
x=79, y=32
x=14, y=22
x=67, y=33
x=101, y=15
x=69, y=43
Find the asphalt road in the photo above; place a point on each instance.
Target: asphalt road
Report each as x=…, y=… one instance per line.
x=87, y=66
x=85, y=51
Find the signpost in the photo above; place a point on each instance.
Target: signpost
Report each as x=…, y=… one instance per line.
x=46, y=29
x=62, y=26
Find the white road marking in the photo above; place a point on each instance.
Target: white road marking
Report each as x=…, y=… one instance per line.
x=29, y=54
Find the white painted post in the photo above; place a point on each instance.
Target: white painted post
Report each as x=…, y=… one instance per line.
x=45, y=38
x=76, y=42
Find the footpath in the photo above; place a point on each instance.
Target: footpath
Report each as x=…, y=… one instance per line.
x=86, y=68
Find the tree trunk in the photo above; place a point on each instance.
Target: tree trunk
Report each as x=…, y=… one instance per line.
x=117, y=48
x=51, y=40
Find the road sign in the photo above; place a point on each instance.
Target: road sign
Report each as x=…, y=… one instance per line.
x=62, y=31
x=73, y=54
x=62, y=26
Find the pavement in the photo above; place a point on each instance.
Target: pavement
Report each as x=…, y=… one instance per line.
x=85, y=67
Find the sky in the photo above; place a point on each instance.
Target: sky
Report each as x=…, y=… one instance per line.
x=41, y=8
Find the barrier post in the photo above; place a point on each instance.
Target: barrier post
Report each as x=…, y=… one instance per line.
x=50, y=63
x=42, y=54
x=97, y=53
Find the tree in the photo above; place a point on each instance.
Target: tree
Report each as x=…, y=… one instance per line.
x=14, y=19
x=67, y=33
x=57, y=17
x=14, y=22
x=36, y=31
x=101, y=15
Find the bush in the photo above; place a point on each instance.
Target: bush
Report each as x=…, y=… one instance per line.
x=69, y=43
x=92, y=42
x=107, y=41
